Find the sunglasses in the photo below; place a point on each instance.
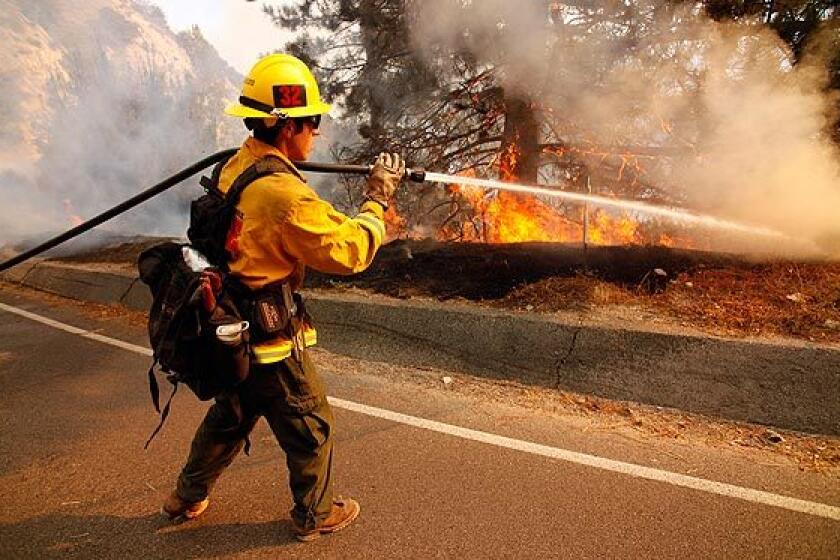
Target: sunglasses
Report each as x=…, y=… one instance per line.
x=314, y=120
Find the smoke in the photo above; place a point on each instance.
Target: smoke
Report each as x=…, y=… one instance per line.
x=748, y=127
x=101, y=102
x=334, y=137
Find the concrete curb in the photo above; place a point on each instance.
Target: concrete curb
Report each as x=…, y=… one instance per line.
x=794, y=386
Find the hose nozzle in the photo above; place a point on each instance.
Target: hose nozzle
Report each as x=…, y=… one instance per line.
x=417, y=175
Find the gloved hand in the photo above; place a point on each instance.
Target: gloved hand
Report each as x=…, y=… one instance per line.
x=384, y=178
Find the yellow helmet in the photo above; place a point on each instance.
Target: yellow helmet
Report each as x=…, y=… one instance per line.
x=279, y=85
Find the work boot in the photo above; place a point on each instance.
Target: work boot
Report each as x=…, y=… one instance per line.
x=344, y=511
x=176, y=508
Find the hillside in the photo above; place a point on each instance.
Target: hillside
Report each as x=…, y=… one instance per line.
x=96, y=98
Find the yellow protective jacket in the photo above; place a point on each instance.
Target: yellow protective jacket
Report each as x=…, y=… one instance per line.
x=283, y=226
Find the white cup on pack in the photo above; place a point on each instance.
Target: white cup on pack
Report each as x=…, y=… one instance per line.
x=232, y=333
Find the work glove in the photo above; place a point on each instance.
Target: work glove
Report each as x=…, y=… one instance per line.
x=384, y=178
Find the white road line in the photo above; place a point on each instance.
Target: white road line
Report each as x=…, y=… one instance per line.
x=638, y=471
x=76, y=330
x=630, y=469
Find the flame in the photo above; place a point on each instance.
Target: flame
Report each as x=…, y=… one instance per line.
x=666, y=240
x=629, y=165
x=604, y=229
x=504, y=217
x=396, y=224
x=510, y=218
x=487, y=216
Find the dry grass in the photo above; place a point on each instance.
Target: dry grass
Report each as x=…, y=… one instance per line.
x=562, y=293
x=780, y=299
x=799, y=300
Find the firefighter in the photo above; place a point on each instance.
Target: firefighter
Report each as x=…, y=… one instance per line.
x=282, y=227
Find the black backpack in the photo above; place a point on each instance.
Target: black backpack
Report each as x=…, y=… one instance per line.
x=212, y=214
x=183, y=325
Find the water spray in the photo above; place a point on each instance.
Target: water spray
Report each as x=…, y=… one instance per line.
x=416, y=175
x=672, y=213
x=419, y=175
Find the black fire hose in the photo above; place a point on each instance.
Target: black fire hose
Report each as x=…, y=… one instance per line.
x=417, y=175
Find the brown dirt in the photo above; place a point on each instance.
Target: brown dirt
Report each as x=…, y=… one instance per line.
x=716, y=293
x=122, y=253
x=798, y=300
x=98, y=311
x=780, y=299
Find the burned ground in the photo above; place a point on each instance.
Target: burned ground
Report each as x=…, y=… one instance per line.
x=723, y=294
x=717, y=293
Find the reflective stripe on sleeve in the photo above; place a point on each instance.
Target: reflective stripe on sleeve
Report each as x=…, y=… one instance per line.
x=372, y=224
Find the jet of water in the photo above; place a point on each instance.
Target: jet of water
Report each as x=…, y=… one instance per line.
x=676, y=214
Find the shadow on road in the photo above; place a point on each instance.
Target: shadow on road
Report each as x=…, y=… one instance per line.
x=151, y=536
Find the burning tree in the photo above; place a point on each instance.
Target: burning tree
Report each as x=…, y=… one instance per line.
x=608, y=94
x=448, y=116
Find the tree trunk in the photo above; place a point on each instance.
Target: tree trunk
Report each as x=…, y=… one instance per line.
x=373, y=73
x=520, y=143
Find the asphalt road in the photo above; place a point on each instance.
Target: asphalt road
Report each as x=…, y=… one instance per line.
x=439, y=474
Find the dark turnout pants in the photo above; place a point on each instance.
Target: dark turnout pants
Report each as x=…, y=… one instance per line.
x=292, y=398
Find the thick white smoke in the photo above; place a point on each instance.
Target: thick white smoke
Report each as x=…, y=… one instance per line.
x=101, y=100
x=750, y=126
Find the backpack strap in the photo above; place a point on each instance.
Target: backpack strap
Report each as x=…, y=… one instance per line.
x=155, y=392
x=268, y=165
x=212, y=182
